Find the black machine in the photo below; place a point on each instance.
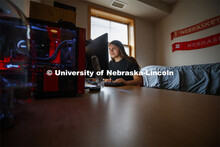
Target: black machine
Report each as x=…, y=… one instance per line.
x=112, y=84
x=53, y=46
x=99, y=48
x=58, y=47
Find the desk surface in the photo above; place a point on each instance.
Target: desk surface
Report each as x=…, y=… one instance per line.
x=123, y=116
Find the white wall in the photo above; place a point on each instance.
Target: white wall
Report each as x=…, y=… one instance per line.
x=145, y=42
x=186, y=13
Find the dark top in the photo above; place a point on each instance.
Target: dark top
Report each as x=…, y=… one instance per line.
x=122, y=65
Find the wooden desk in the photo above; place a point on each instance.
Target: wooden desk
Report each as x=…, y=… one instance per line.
x=125, y=116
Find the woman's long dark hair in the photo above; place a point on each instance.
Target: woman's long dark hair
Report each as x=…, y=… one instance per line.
x=123, y=53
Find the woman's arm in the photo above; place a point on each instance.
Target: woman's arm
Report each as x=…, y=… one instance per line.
x=137, y=81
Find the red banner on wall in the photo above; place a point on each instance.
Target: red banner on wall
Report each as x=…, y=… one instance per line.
x=197, y=44
x=196, y=28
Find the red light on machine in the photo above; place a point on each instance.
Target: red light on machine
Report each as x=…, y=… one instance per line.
x=55, y=39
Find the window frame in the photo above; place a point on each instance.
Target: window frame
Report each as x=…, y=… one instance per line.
x=115, y=17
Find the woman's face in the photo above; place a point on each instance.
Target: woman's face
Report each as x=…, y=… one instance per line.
x=114, y=51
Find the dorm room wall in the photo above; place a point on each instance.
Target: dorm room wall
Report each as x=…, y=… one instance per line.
x=145, y=30
x=24, y=5
x=186, y=13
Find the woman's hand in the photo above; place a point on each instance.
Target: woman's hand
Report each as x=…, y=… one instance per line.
x=137, y=81
x=107, y=80
x=120, y=80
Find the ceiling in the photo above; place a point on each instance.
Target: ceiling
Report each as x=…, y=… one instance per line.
x=152, y=10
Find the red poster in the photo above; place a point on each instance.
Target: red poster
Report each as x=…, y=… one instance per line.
x=197, y=44
x=196, y=28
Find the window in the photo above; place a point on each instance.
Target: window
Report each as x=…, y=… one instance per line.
x=118, y=28
x=115, y=30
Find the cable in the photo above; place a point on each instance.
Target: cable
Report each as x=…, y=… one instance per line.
x=55, y=53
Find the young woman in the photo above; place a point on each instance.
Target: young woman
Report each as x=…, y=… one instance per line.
x=122, y=62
